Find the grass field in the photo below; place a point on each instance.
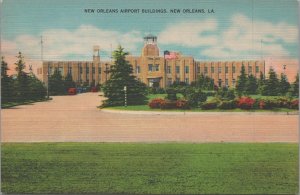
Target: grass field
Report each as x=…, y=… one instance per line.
x=173, y=168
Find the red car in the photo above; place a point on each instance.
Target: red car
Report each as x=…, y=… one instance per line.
x=72, y=91
x=94, y=89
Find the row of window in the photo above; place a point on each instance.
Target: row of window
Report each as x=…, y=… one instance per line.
x=212, y=69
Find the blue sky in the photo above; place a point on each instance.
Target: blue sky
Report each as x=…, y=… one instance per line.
x=239, y=29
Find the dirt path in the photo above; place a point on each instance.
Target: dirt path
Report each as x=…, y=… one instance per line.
x=76, y=119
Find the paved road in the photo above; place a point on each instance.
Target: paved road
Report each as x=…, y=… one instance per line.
x=76, y=119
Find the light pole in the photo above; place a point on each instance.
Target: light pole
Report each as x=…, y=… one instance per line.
x=125, y=90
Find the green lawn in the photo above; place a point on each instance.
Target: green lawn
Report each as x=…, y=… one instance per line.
x=177, y=168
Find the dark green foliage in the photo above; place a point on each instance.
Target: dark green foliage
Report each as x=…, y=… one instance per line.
x=68, y=82
x=251, y=85
x=295, y=87
x=36, y=88
x=271, y=87
x=195, y=96
x=284, y=85
x=171, y=94
x=204, y=83
x=261, y=83
x=121, y=75
x=56, y=84
x=212, y=104
x=227, y=104
x=241, y=82
x=6, y=83
x=225, y=93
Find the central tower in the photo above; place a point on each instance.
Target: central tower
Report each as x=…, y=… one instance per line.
x=150, y=46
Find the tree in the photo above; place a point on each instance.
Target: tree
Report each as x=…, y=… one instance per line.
x=271, y=85
x=261, y=83
x=204, y=83
x=36, y=88
x=56, y=84
x=284, y=85
x=68, y=82
x=121, y=75
x=22, y=82
x=241, y=82
x=251, y=85
x=6, y=83
x=295, y=87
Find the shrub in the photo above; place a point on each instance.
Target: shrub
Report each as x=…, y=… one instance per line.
x=167, y=104
x=171, y=94
x=227, y=104
x=210, y=105
x=210, y=93
x=246, y=103
x=294, y=104
x=225, y=94
x=156, y=103
x=182, y=104
x=195, y=96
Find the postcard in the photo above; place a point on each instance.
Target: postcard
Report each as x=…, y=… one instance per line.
x=149, y=97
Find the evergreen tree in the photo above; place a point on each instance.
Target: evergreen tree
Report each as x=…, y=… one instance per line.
x=36, y=88
x=204, y=83
x=295, y=87
x=261, y=83
x=6, y=83
x=22, y=82
x=272, y=84
x=241, y=82
x=68, y=82
x=251, y=85
x=121, y=74
x=284, y=85
x=56, y=84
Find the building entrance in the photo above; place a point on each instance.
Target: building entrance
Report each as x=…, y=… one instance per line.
x=153, y=82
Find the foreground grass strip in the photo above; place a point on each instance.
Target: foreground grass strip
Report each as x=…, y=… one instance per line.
x=173, y=168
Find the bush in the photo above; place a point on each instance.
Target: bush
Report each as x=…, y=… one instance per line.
x=195, y=96
x=274, y=103
x=167, y=104
x=156, y=90
x=182, y=104
x=210, y=93
x=246, y=103
x=171, y=94
x=225, y=94
x=294, y=104
x=210, y=105
x=156, y=103
x=227, y=104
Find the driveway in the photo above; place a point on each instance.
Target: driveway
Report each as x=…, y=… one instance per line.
x=76, y=119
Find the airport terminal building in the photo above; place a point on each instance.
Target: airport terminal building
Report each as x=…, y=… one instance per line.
x=153, y=69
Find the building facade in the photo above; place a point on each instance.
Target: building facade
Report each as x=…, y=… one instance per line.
x=153, y=69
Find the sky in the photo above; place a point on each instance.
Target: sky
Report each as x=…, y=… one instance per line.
x=237, y=29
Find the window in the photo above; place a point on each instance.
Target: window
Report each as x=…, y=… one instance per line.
x=150, y=66
x=233, y=82
x=99, y=70
x=256, y=69
x=187, y=80
x=212, y=69
x=198, y=69
x=177, y=69
x=205, y=70
x=61, y=70
x=226, y=69
x=50, y=70
x=177, y=80
x=80, y=69
x=233, y=69
x=87, y=70
x=138, y=69
x=169, y=69
x=187, y=69
x=156, y=67
x=220, y=69
x=249, y=69
x=93, y=70
x=226, y=82
x=70, y=70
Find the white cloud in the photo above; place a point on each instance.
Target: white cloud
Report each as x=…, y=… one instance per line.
x=61, y=43
x=190, y=33
x=247, y=39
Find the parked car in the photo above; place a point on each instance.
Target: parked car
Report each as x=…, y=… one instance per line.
x=94, y=89
x=72, y=91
